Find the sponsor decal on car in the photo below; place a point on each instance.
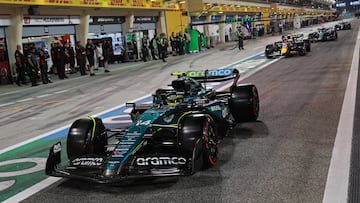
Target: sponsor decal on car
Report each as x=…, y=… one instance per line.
x=160, y=161
x=215, y=108
x=210, y=73
x=87, y=161
x=57, y=147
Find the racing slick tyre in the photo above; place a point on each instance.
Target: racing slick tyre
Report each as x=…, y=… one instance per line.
x=244, y=103
x=302, y=52
x=269, y=50
x=198, y=138
x=86, y=136
x=307, y=46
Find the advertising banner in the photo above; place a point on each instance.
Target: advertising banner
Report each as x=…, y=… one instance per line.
x=156, y=4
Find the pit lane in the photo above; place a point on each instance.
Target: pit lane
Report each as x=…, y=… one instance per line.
x=282, y=158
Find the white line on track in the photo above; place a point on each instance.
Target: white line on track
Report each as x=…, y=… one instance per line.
x=30, y=191
x=59, y=92
x=7, y=104
x=336, y=189
x=44, y=95
x=25, y=100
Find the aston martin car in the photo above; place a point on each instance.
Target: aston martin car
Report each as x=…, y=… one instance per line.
x=177, y=134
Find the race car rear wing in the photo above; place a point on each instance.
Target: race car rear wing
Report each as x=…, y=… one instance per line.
x=217, y=75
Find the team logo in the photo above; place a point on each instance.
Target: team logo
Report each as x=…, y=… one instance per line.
x=88, y=161
x=210, y=73
x=160, y=161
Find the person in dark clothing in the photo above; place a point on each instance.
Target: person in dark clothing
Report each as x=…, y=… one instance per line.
x=20, y=66
x=53, y=58
x=81, y=58
x=177, y=45
x=163, y=43
x=173, y=43
x=240, y=36
x=60, y=61
x=71, y=52
x=144, y=49
x=181, y=43
x=153, y=47
x=135, y=47
x=32, y=65
x=44, y=56
x=106, y=54
x=90, y=53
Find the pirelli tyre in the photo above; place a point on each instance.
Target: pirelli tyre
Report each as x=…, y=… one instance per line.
x=86, y=136
x=269, y=50
x=307, y=45
x=302, y=52
x=244, y=103
x=198, y=138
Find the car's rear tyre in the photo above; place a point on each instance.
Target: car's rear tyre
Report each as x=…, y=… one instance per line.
x=244, y=103
x=86, y=136
x=302, y=52
x=211, y=145
x=307, y=46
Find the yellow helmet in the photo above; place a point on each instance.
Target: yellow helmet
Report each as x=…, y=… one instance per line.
x=173, y=100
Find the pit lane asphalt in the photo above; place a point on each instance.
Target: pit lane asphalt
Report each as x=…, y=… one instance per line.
x=282, y=158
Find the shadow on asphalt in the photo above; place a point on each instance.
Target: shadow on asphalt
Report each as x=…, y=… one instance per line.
x=249, y=130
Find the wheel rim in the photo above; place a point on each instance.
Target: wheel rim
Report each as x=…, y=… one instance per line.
x=211, y=143
x=255, y=104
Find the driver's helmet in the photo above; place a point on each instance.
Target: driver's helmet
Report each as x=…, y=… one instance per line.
x=173, y=100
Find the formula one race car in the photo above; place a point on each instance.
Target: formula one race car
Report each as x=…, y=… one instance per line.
x=290, y=45
x=323, y=34
x=343, y=26
x=178, y=134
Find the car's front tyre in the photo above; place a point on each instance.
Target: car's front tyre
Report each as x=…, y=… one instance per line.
x=86, y=136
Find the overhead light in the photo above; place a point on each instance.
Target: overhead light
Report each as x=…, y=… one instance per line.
x=221, y=12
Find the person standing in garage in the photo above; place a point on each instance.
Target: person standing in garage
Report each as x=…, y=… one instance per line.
x=32, y=65
x=81, y=57
x=163, y=43
x=90, y=49
x=240, y=36
x=20, y=66
x=60, y=60
x=43, y=62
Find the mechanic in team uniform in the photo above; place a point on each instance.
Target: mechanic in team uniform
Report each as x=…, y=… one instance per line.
x=163, y=43
x=107, y=52
x=173, y=44
x=71, y=58
x=60, y=60
x=20, y=66
x=90, y=51
x=240, y=36
x=53, y=58
x=135, y=48
x=153, y=46
x=144, y=48
x=32, y=65
x=44, y=56
x=81, y=57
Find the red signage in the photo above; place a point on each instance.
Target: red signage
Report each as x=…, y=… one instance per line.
x=117, y=3
x=139, y=3
x=91, y=2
